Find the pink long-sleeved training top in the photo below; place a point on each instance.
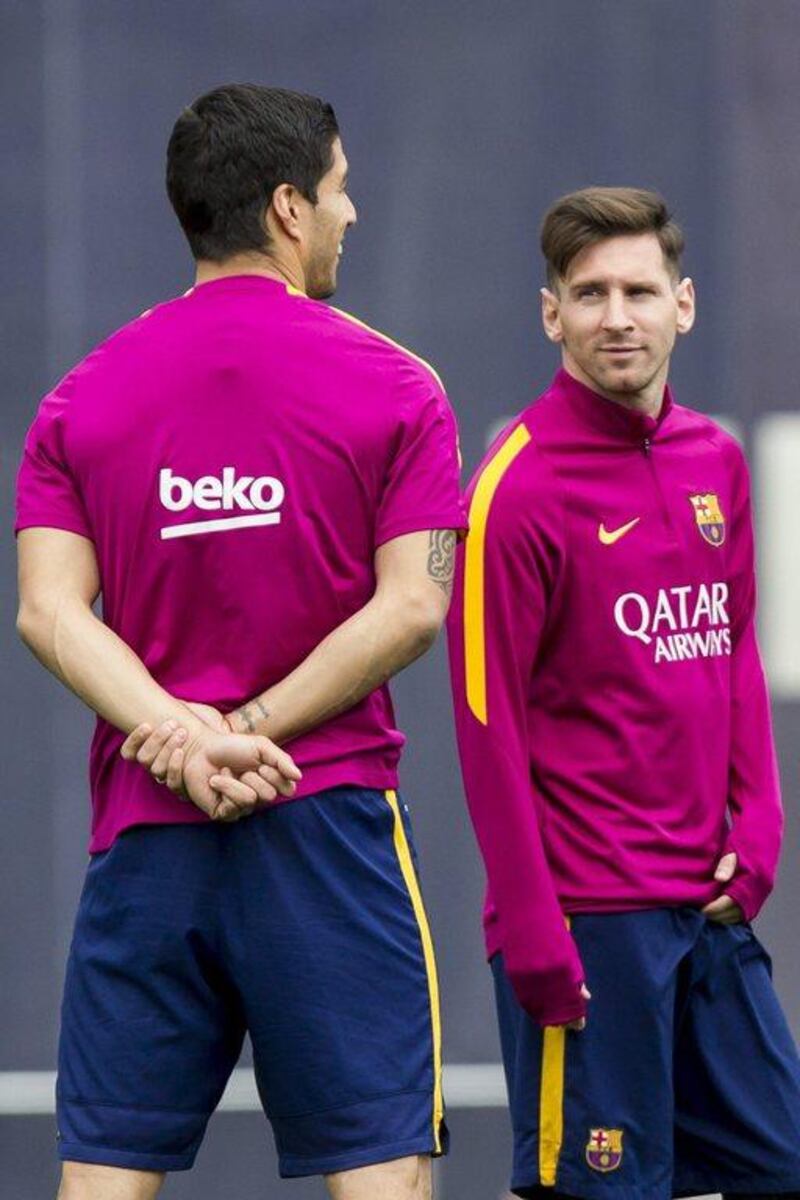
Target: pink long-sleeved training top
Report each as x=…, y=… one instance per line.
x=612, y=713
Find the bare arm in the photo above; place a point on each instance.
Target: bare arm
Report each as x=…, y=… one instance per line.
x=414, y=576
x=58, y=583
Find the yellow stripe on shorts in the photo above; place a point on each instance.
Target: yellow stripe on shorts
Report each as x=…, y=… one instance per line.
x=474, y=614
x=410, y=877
x=551, y=1099
x=551, y=1103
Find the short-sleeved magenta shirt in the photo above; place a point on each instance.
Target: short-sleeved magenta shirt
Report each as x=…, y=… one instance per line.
x=236, y=456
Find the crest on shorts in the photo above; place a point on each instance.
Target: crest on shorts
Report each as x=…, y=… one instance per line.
x=709, y=518
x=604, y=1149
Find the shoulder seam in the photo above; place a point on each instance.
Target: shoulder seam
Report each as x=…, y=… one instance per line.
x=530, y=446
x=711, y=429
x=385, y=337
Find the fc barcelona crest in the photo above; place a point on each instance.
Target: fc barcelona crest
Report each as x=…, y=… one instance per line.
x=604, y=1149
x=709, y=518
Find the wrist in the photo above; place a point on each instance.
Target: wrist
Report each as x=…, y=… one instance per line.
x=192, y=724
x=252, y=717
x=196, y=733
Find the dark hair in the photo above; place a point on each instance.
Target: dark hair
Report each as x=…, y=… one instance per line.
x=231, y=149
x=583, y=218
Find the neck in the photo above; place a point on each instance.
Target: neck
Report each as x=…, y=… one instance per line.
x=648, y=400
x=268, y=265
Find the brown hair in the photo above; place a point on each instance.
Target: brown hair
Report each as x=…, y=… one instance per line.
x=584, y=218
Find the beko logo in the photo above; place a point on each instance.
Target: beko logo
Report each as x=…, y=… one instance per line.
x=260, y=498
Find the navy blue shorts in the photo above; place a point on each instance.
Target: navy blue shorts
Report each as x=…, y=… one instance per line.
x=685, y=1081
x=302, y=925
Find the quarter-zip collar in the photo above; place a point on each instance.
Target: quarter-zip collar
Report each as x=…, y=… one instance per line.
x=607, y=417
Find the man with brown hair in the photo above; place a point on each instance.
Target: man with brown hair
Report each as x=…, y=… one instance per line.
x=615, y=739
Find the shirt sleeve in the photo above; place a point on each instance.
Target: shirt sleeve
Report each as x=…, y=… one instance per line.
x=47, y=494
x=506, y=573
x=422, y=487
x=754, y=799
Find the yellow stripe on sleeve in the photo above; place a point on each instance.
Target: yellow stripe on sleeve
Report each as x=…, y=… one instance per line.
x=474, y=615
x=410, y=878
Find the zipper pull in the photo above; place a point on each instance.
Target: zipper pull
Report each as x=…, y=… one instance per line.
x=646, y=445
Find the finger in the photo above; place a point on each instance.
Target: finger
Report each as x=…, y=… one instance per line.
x=234, y=790
x=148, y=751
x=726, y=867
x=263, y=788
x=159, y=765
x=587, y=995
x=577, y=1026
x=716, y=906
x=724, y=909
x=286, y=787
x=226, y=811
x=174, y=778
x=273, y=756
x=136, y=738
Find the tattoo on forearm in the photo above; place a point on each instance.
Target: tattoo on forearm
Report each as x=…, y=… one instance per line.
x=442, y=558
x=248, y=718
x=244, y=713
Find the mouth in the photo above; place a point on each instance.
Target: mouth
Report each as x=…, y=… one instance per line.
x=620, y=349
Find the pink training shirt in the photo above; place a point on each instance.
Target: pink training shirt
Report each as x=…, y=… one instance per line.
x=236, y=456
x=611, y=706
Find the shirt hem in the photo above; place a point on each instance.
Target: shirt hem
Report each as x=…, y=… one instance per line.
x=315, y=780
x=494, y=940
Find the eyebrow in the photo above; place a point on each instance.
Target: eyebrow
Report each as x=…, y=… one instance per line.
x=600, y=283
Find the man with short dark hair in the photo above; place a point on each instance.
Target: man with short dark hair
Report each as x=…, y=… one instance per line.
x=615, y=740
x=266, y=493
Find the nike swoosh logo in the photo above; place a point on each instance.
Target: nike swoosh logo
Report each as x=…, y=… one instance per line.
x=609, y=536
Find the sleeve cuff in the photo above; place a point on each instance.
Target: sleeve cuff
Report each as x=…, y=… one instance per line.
x=66, y=523
x=750, y=894
x=551, y=997
x=449, y=520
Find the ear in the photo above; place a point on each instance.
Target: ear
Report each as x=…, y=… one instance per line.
x=551, y=315
x=684, y=298
x=286, y=209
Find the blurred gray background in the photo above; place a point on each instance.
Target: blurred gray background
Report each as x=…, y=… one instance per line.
x=462, y=121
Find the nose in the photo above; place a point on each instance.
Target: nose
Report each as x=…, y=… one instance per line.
x=353, y=217
x=616, y=316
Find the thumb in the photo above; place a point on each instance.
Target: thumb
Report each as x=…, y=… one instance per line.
x=726, y=868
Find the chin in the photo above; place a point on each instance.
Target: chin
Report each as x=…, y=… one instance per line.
x=626, y=385
x=321, y=289
x=623, y=381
